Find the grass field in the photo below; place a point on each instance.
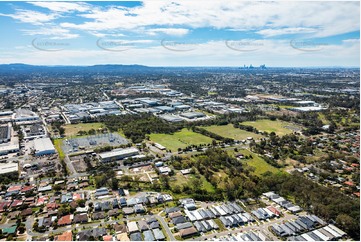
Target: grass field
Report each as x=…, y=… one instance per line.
x=258, y=163
x=183, y=180
x=180, y=139
x=73, y=129
x=277, y=126
x=57, y=145
x=228, y=131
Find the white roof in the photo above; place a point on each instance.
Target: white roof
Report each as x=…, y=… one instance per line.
x=336, y=229
x=331, y=231
x=190, y=215
x=164, y=169
x=119, y=152
x=307, y=237
x=8, y=167
x=321, y=235
x=132, y=226
x=43, y=144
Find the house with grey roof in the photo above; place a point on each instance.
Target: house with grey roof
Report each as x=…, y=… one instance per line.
x=158, y=234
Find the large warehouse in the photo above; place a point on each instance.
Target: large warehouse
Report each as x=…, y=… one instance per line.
x=118, y=154
x=43, y=146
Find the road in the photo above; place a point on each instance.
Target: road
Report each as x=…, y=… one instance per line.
x=70, y=165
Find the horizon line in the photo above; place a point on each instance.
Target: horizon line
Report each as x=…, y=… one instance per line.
x=161, y=66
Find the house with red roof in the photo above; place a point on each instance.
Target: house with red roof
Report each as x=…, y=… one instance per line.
x=42, y=200
x=274, y=210
x=4, y=205
x=66, y=236
x=16, y=203
x=65, y=220
x=107, y=238
x=349, y=183
x=27, y=189
x=52, y=206
x=14, y=188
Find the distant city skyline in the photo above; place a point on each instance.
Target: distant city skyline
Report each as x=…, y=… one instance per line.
x=181, y=33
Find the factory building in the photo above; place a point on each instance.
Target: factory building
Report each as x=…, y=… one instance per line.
x=118, y=154
x=193, y=115
x=43, y=146
x=22, y=116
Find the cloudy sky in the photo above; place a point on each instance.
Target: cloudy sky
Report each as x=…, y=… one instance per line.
x=181, y=33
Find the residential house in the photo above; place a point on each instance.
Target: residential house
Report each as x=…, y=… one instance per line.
x=80, y=218
x=66, y=236
x=185, y=233
x=65, y=220
x=158, y=234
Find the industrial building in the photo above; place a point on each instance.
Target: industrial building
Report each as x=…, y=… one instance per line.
x=307, y=109
x=171, y=118
x=22, y=116
x=33, y=131
x=43, y=146
x=118, y=154
x=8, y=168
x=193, y=115
x=9, y=142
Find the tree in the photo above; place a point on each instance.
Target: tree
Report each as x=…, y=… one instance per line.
x=81, y=203
x=115, y=184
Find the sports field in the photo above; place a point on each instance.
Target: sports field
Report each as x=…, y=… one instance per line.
x=73, y=129
x=180, y=139
x=277, y=126
x=228, y=131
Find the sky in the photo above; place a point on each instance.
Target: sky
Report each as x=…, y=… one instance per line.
x=181, y=33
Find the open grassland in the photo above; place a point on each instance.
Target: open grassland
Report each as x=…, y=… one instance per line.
x=73, y=129
x=180, y=139
x=277, y=126
x=57, y=145
x=260, y=165
x=228, y=131
x=182, y=180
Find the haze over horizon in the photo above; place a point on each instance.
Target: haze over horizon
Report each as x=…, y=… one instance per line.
x=181, y=33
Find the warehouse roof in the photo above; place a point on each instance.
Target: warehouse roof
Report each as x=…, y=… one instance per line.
x=118, y=152
x=43, y=144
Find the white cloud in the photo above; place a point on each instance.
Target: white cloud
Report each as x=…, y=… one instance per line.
x=284, y=31
x=212, y=53
x=168, y=31
x=31, y=17
x=328, y=18
x=63, y=6
x=53, y=32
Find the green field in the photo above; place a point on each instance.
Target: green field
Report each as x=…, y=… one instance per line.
x=180, y=139
x=57, y=145
x=258, y=163
x=228, y=131
x=183, y=180
x=73, y=129
x=277, y=126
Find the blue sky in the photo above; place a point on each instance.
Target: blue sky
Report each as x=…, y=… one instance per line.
x=181, y=33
